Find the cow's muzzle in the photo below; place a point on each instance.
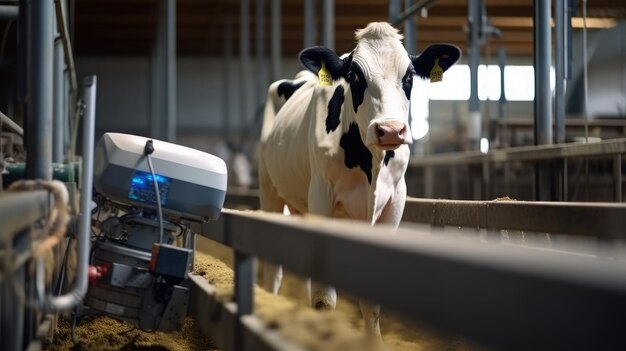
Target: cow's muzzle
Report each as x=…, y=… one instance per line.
x=389, y=134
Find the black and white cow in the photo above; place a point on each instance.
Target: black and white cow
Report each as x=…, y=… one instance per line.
x=340, y=149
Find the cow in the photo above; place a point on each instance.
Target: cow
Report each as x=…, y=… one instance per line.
x=334, y=141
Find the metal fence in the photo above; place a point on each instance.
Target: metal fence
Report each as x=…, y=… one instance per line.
x=507, y=297
x=576, y=172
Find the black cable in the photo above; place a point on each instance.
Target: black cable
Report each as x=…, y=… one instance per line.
x=148, y=150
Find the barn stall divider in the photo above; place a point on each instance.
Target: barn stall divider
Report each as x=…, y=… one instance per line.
x=506, y=297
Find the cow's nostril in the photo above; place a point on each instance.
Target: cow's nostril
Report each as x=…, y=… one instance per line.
x=402, y=131
x=379, y=132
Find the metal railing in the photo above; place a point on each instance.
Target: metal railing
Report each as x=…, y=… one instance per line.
x=506, y=297
x=482, y=178
x=603, y=220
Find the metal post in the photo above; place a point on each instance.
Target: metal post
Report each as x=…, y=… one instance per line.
x=543, y=102
x=502, y=65
x=409, y=30
x=617, y=176
x=9, y=12
x=260, y=52
x=59, y=102
x=309, y=24
x=276, y=54
x=22, y=54
x=228, y=57
x=394, y=10
x=244, y=60
x=170, y=71
x=39, y=122
x=542, y=57
x=244, y=292
x=156, y=80
x=69, y=300
x=474, y=127
x=328, y=24
x=560, y=69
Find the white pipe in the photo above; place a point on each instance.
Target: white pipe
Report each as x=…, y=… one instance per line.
x=69, y=300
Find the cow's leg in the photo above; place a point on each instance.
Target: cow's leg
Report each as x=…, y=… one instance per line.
x=271, y=202
x=321, y=297
x=392, y=214
x=371, y=317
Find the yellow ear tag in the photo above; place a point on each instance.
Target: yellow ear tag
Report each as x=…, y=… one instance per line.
x=436, y=73
x=325, y=77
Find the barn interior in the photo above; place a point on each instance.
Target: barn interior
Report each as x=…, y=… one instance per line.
x=512, y=231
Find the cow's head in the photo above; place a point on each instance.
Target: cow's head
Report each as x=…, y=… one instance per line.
x=380, y=74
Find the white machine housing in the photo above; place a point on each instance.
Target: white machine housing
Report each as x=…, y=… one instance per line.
x=192, y=183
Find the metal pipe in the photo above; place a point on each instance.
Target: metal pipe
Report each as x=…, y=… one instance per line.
x=560, y=69
x=156, y=81
x=502, y=65
x=409, y=31
x=394, y=9
x=59, y=103
x=276, y=46
x=170, y=71
x=244, y=60
x=69, y=300
x=309, y=24
x=474, y=127
x=39, y=121
x=244, y=292
x=260, y=52
x=9, y=12
x=418, y=6
x=543, y=97
x=228, y=57
x=542, y=57
x=328, y=24
x=10, y=124
x=71, y=105
x=22, y=54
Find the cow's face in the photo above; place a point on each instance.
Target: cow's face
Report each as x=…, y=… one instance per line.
x=380, y=75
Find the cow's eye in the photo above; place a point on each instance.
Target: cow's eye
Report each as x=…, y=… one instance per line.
x=352, y=77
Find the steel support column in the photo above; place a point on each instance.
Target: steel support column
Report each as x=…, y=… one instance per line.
x=394, y=10
x=164, y=74
x=328, y=24
x=309, y=24
x=59, y=118
x=474, y=125
x=409, y=31
x=39, y=121
x=261, y=69
x=276, y=45
x=543, y=99
x=560, y=67
x=226, y=82
x=244, y=292
x=170, y=71
x=542, y=58
x=244, y=60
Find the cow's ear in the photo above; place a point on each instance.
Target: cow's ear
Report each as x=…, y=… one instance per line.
x=446, y=53
x=311, y=58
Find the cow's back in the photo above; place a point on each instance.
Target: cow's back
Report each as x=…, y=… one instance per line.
x=284, y=155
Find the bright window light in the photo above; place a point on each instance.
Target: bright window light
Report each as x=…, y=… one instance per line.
x=489, y=82
x=454, y=86
x=519, y=83
x=419, y=109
